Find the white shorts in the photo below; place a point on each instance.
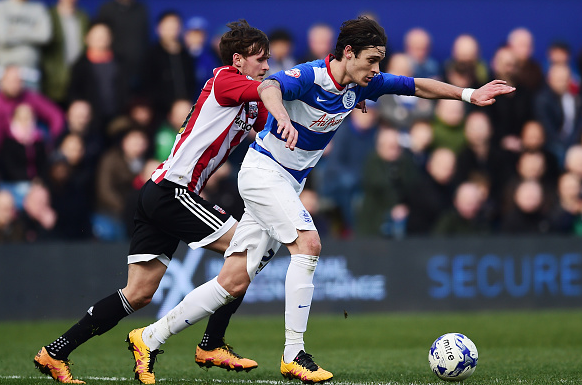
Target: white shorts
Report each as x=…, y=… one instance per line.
x=273, y=214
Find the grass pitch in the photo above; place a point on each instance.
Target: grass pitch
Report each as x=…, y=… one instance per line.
x=543, y=347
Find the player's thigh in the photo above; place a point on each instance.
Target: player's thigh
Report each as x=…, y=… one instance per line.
x=254, y=243
x=184, y=215
x=273, y=201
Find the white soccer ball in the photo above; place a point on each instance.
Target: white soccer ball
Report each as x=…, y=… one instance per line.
x=453, y=357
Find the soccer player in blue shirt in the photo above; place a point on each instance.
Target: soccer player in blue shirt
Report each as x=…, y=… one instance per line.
x=306, y=106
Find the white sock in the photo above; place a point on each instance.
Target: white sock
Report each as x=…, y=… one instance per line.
x=298, y=296
x=199, y=303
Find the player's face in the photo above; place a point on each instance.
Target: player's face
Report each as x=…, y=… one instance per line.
x=365, y=66
x=254, y=66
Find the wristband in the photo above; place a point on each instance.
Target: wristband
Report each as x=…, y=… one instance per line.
x=466, y=95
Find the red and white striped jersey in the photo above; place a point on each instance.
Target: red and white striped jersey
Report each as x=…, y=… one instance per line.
x=227, y=109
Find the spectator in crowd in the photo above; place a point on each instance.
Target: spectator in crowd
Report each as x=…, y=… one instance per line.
x=465, y=68
x=466, y=217
x=39, y=216
x=98, y=77
x=566, y=214
x=70, y=183
x=418, y=141
x=130, y=205
x=115, y=174
x=510, y=112
x=400, y=111
x=22, y=154
x=11, y=225
x=70, y=25
x=281, y=49
x=310, y=199
x=432, y=194
x=530, y=166
x=198, y=45
x=559, y=52
x=128, y=21
x=559, y=111
x=24, y=27
x=528, y=215
x=529, y=72
x=480, y=157
x=139, y=115
x=533, y=139
x=169, y=71
x=573, y=162
x=341, y=183
x=13, y=93
x=417, y=46
x=320, y=42
x=386, y=174
x=166, y=133
x=448, y=124
x=79, y=121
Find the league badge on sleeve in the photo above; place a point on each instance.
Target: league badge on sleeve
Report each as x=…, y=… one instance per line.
x=293, y=72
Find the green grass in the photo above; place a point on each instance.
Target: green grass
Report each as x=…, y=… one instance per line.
x=542, y=347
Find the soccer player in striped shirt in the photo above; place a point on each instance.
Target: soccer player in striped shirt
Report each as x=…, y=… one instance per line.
x=313, y=98
x=170, y=209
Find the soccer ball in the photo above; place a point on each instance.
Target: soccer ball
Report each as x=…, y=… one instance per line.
x=453, y=357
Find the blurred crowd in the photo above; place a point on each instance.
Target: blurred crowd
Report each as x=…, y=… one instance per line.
x=89, y=107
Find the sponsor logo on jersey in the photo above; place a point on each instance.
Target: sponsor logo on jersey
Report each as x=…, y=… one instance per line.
x=219, y=209
x=349, y=99
x=253, y=110
x=242, y=124
x=324, y=121
x=305, y=216
x=293, y=72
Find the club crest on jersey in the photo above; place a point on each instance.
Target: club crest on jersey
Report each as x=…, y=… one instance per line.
x=305, y=216
x=253, y=110
x=293, y=72
x=349, y=99
x=219, y=209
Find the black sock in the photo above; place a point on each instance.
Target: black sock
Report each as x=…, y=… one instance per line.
x=217, y=324
x=100, y=318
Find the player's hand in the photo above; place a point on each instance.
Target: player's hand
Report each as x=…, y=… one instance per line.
x=288, y=132
x=362, y=106
x=485, y=96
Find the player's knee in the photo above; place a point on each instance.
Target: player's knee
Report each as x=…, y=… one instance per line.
x=312, y=245
x=235, y=284
x=139, y=298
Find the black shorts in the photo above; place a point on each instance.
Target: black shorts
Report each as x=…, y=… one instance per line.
x=167, y=213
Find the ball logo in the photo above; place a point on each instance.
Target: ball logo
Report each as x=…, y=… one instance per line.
x=349, y=99
x=305, y=216
x=293, y=72
x=219, y=209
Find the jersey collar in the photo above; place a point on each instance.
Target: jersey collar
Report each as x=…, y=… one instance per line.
x=328, y=59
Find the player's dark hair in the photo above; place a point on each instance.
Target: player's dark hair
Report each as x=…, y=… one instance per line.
x=360, y=33
x=242, y=39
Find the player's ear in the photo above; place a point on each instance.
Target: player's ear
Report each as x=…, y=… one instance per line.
x=348, y=52
x=236, y=57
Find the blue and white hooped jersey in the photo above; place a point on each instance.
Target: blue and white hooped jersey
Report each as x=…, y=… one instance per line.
x=317, y=105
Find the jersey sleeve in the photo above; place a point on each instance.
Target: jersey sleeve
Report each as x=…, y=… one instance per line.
x=385, y=83
x=261, y=118
x=295, y=82
x=233, y=89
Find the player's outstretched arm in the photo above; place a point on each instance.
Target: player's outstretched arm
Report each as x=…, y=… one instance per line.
x=483, y=96
x=270, y=93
